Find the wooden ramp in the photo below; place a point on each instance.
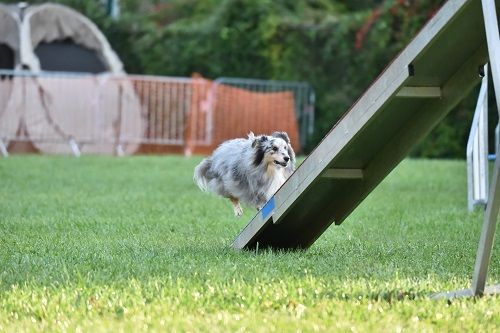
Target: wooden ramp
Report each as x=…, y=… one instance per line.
x=428, y=78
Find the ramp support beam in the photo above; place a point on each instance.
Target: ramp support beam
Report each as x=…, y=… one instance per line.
x=343, y=173
x=420, y=92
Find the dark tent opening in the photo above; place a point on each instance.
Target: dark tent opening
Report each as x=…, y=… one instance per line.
x=6, y=57
x=66, y=56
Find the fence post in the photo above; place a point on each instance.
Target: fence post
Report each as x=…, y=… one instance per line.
x=74, y=147
x=3, y=149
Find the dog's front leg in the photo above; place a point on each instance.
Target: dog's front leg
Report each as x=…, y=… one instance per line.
x=238, y=211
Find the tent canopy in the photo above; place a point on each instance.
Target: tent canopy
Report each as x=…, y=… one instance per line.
x=9, y=38
x=51, y=111
x=57, y=38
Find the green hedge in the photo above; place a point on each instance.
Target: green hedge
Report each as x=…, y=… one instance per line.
x=338, y=46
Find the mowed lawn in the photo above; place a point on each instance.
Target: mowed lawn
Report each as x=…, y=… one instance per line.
x=108, y=244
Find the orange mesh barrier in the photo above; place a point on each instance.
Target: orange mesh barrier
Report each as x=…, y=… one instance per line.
x=228, y=112
x=138, y=114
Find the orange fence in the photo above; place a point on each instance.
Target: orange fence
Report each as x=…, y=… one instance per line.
x=229, y=108
x=107, y=114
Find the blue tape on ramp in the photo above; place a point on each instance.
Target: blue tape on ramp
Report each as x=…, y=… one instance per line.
x=268, y=208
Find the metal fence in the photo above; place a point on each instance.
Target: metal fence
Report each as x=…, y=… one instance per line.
x=126, y=114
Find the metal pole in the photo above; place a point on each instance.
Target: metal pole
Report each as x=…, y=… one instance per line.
x=113, y=8
x=491, y=215
x=487, y=235
x=483, y=175
x=477, y=150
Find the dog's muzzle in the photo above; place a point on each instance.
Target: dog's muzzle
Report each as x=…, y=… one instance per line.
x=283, y=164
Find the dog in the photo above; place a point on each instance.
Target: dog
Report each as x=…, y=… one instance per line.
x=247, y=170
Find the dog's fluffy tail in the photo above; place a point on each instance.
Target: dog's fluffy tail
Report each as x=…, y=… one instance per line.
x=201, y=173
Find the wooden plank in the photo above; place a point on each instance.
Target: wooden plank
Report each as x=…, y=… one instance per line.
x=415, y=130
x=364, y=109
x=343, y=173
x=336, y=140
x=370, y=118
x=419, y=92
x=251, y=232
x=396, y=149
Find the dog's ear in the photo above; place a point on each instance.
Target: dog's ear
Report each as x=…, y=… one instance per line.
x=282, y=135
x=259, y=146
x=291, y=153
x=290, y=168
x=259, y=140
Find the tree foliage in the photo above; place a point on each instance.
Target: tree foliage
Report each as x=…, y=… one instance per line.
x=339, y=46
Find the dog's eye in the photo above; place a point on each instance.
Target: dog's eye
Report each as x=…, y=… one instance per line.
x=275, y=148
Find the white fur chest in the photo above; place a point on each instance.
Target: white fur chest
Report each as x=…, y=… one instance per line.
x=277, y=179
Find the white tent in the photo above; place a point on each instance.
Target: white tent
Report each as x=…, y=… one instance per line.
x=50, y=32
x=97, y=112
x=10, y=26
x=9, y=38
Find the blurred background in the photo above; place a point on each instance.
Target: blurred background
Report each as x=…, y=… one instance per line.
x=333, y=48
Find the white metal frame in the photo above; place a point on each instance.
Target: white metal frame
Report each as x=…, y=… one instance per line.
x=483, y=256
x=486, y=240
x=477, y=150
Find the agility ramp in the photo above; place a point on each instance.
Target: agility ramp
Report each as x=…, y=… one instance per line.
x=435, y=71
x=422, y=84
x=425, y=81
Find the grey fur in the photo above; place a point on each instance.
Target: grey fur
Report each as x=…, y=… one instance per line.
x=249, y=170
x=282, y=135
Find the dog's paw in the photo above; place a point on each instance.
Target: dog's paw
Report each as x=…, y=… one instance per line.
x=238, y=211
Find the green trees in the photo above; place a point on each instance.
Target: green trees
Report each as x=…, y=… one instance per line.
x=338, y=46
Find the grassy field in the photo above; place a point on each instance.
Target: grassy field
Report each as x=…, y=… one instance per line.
x=109, y=244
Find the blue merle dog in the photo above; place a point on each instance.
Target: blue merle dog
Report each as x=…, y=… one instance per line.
x=248, y=170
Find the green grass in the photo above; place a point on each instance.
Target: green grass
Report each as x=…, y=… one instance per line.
x=109, y=244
